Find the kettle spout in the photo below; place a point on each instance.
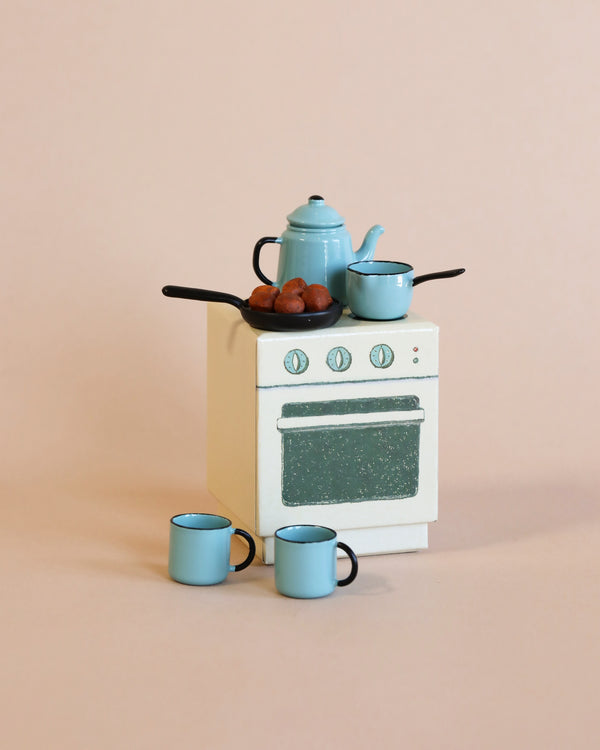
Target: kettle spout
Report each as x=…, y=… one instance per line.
x=367, y=250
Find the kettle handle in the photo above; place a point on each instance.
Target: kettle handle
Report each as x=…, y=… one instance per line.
x=256, y=254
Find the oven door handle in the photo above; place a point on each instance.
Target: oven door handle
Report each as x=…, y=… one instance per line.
x=371, y=419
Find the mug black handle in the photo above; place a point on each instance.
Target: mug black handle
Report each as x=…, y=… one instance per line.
x=251, y=551
x=256, y=254
x=353, y=560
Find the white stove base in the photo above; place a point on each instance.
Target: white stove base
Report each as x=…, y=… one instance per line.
x=382, y=540
x=375, y=540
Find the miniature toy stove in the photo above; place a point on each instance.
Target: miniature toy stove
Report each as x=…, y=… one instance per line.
x=336, y=427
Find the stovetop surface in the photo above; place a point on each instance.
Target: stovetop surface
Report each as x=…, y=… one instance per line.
x=348, y=323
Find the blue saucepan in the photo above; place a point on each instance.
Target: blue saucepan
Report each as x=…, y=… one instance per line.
x=383, y=289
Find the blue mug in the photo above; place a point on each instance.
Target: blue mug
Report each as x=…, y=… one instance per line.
x=383, y=289
x=306, y=561
x=200, y=546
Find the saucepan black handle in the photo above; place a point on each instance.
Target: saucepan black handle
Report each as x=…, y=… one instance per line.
x=206, y=295
x=438, y=275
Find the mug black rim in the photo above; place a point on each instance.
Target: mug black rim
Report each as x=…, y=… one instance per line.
x=305, y=526
x=192, y=528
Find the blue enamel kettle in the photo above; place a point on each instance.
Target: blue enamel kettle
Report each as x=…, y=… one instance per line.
x=316, y=246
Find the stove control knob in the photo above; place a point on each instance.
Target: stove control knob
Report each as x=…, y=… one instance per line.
x=295, y=362
x=339, y=359
x=381, y=356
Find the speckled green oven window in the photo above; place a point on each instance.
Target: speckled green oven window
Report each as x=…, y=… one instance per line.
x=351, y=463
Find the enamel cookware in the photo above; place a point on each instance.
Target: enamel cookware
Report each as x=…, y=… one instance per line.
x=316, y=246
x=383, y=289
x=267, y=321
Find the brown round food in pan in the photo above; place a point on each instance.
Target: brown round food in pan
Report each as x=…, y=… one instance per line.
x=316, y=298
x=287, y=302
x=267, y=289
x=294, y=286
x=263, y=298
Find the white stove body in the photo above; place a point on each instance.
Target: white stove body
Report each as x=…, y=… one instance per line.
x=337, y=427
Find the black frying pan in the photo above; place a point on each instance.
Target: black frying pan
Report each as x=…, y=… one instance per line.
x=266, y=321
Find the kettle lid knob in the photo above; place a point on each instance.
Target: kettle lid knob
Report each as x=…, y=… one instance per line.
x=315, y=215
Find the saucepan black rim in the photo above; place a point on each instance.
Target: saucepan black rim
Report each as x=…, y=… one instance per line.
x=382, y=262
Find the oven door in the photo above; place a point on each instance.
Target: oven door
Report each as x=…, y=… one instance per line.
x=348, y=451
x=350, y=455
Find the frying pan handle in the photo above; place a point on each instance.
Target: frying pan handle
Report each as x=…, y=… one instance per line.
x=206, y=295
x=438, y=275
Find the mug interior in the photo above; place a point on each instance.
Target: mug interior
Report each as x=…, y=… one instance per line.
x=305, y=533
x=379, y=267
x=200, y=521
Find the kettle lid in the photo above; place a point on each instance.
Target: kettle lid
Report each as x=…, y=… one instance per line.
x=315, y=215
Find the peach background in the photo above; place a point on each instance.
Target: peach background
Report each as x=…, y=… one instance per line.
x=152, y=143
